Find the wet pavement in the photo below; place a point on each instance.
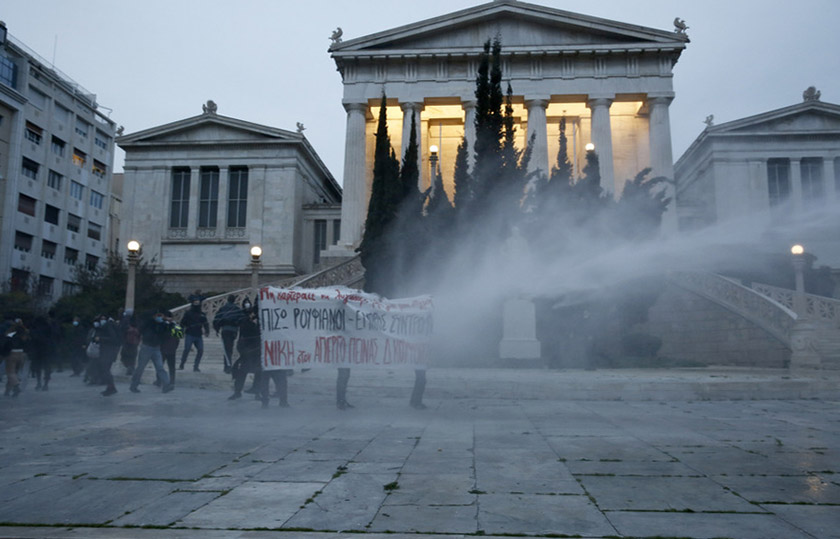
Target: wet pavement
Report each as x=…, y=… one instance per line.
x=626, y=453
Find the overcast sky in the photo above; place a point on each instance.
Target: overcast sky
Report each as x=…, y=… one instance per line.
x=265, y=61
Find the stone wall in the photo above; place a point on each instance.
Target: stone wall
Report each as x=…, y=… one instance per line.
x=698, y=330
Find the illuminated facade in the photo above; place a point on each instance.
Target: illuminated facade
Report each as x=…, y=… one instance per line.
x=611, y=81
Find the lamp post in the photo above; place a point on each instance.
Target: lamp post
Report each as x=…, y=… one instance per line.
x=433, y=163
x=256, y=253
x=800, y=305
x=133, y=256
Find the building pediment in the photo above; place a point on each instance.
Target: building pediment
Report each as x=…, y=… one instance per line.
x=521, y=26
x=801, y=118
x=208, y=128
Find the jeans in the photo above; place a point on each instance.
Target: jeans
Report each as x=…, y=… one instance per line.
x=199, y=346
x=147, y=353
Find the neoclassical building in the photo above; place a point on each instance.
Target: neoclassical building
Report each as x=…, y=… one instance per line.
x=611, y=81
x=199, y=192
x=778, y=167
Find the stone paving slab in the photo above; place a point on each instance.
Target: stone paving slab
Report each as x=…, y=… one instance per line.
x=496, y=453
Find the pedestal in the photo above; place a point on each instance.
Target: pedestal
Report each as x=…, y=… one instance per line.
x=519, y=337
x=804, y=354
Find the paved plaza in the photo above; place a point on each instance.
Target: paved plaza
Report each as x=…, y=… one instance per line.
x=683, y=453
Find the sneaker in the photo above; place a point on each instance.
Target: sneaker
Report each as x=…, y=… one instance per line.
x=235, y=396
x=108, y=392
x=196, y=369
x=134, y=389
x=168, y=388
x=419, y=406
x=344, y=405
x=227, y=369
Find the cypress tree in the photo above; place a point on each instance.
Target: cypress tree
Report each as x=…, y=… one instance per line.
x=374, y=249
x=488, y=122
x=462, y=177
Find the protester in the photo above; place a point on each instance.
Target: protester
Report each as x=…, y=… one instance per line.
x=108, y=339
x=194, y=323
x=169, y=346
x=227, y=321
x=248, y=347
x=74, y=345
x=130, y=336
x=16, y=341
x=153, y=331
x=40, y=352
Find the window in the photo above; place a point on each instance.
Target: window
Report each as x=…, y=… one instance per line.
x=77, y=190
x=180, y=198
x=336, y=231
x=71, y=256
x=94, y=231
x=68, y=288
x=29, y=168
x=811, y=169
x=33, y=133
x=101, y=140
x=23, y=241
x=26, y=205
x=45, y=286
x=79, y=157
x=778, y=181
x=98, y=169
x=74, y=222
x=37, y=98
x=237, y=197
x=96, y=199
x=8, y=72
x=320, y=242
x=82, y=127
x=91, y=262
x=62, y=113
x=51, y=214
x=20, y=280
x=58, y=146
x=54, y=180
x=48, y=249
x=208, y=202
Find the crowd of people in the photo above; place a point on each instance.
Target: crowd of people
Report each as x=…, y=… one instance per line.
x=91, y=350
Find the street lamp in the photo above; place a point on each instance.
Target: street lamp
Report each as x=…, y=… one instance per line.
x=133, y=256
x=256, y=253
x=800, y=305
x=433, y=162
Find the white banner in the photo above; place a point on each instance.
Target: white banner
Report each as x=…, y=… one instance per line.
x=342, y=327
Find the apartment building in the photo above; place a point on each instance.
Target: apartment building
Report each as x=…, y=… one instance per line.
x=56, y=161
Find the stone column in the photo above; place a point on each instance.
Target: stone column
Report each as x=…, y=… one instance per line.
x=661, y=156
x=192, y=211
x=796, y=185
x=538, y=129
x=221, y=211
x=354, y=202
x=469, y=130
x=828, y=179
x=408, y=109
x=602, y=139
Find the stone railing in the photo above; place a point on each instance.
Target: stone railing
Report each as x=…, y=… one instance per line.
x=819, y=307
x=767, y=313
x=347, y=273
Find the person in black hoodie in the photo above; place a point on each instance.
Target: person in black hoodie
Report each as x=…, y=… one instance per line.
x=154, y=330
x=194, y=322
x=248, y=347
x=106, y=335
x=227, y=321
